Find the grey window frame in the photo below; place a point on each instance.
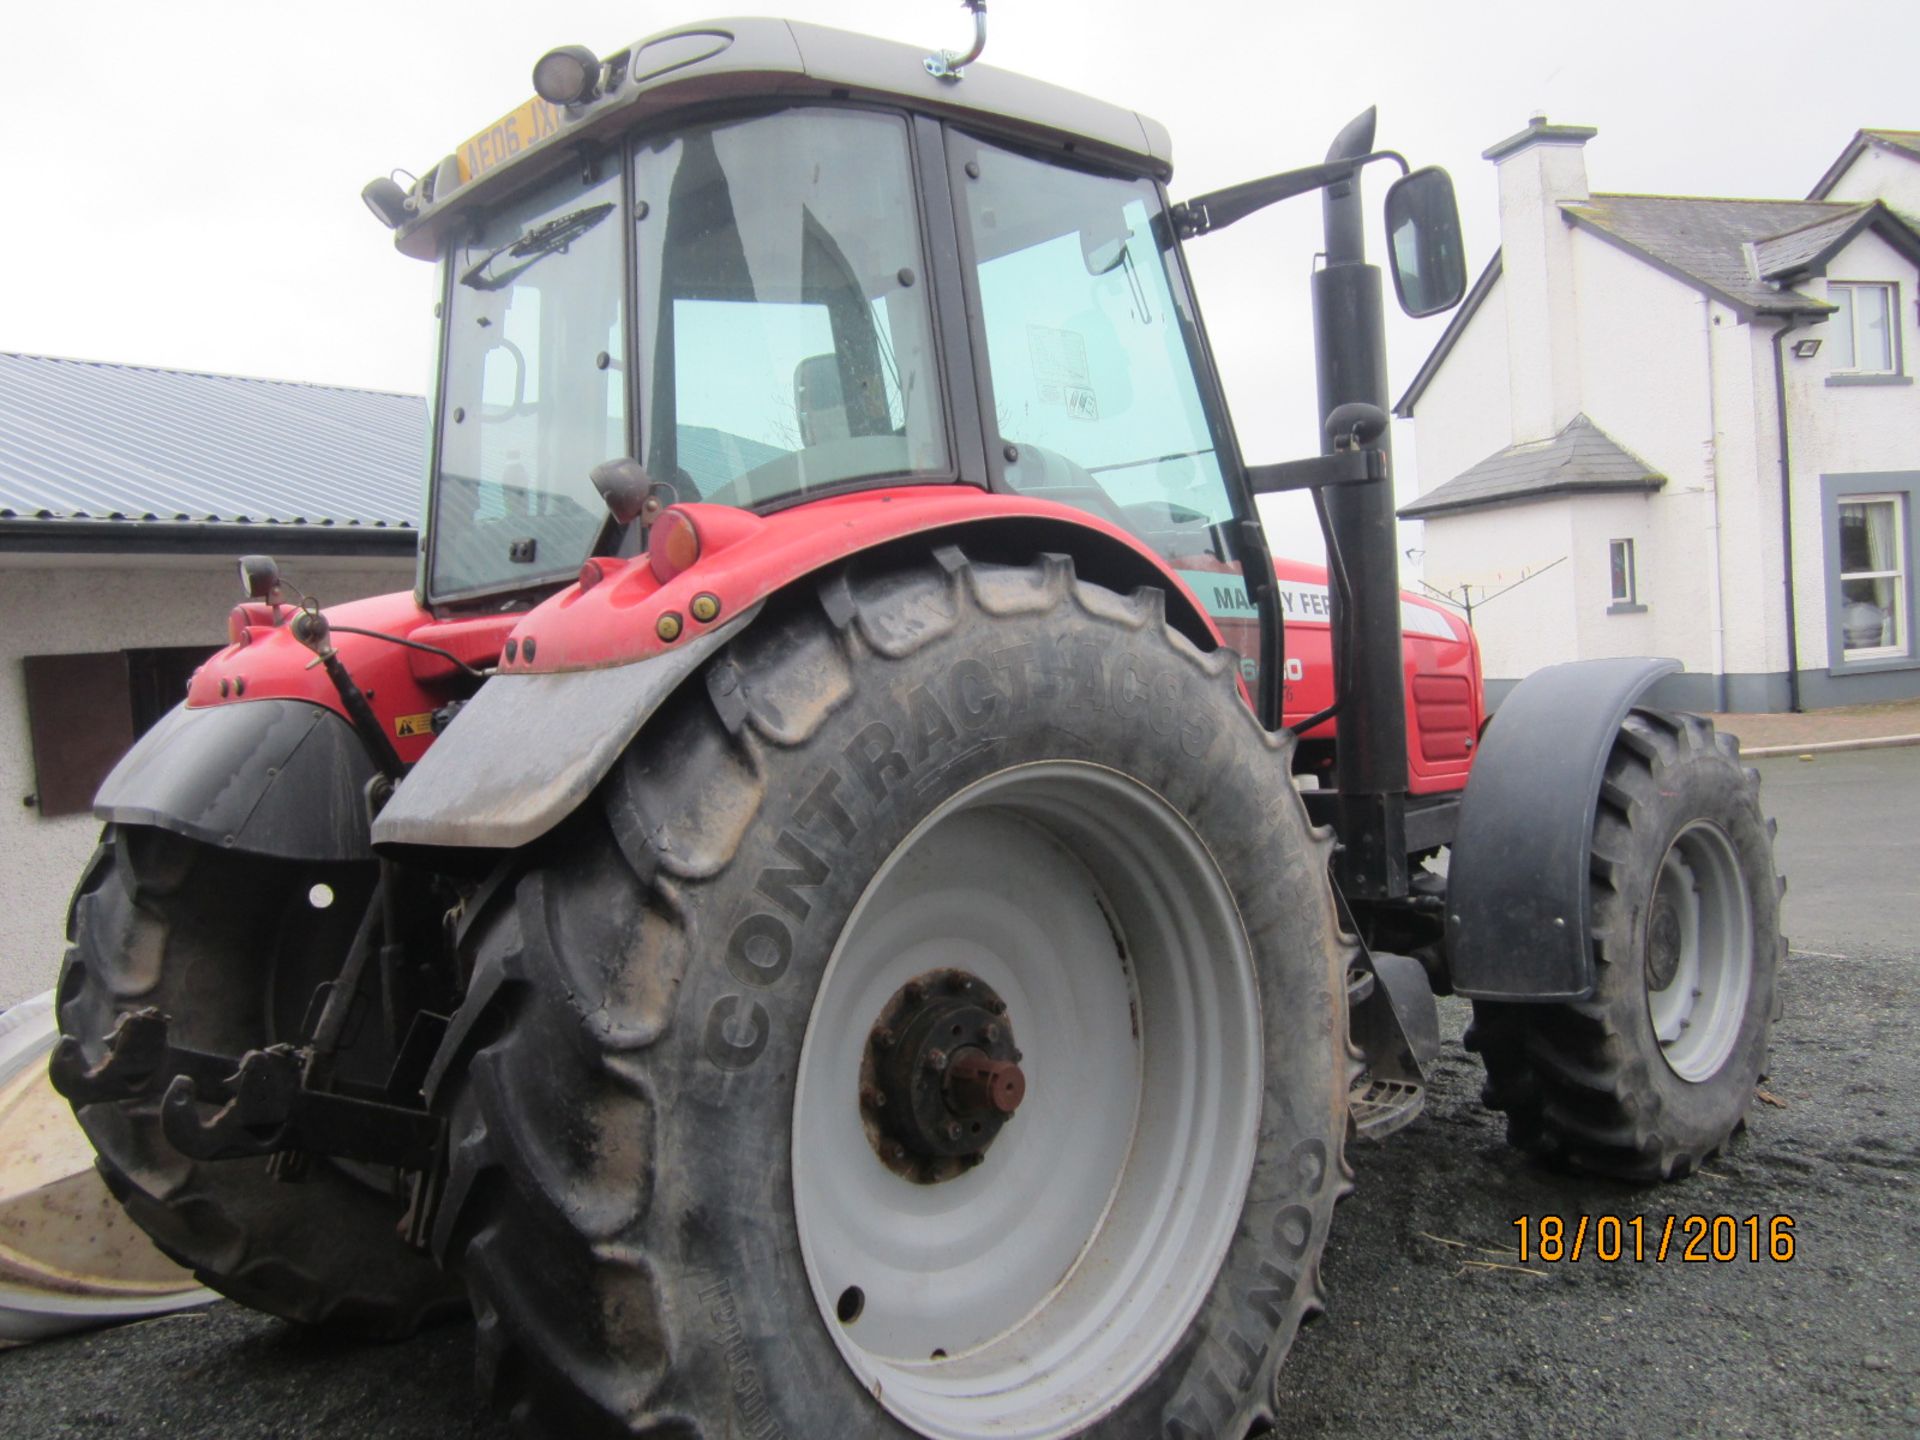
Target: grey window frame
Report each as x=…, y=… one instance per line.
x=1897, y=351
x=1629, y=603
x=1836, y=490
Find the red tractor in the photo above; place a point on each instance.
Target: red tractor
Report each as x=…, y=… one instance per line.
x=855, y=898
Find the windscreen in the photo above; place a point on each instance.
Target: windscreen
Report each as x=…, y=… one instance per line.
x=785, y=338
x=1092, y=349
x=533, y=391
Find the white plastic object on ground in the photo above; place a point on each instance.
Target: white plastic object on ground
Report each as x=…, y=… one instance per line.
x=69, y=1256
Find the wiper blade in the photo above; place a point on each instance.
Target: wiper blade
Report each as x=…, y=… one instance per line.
x=539, y=242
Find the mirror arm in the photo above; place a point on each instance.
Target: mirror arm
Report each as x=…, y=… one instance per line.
x=1218, y=209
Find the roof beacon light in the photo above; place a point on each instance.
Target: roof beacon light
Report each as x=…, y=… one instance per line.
x=947, y=64
x=569, y=75
x=260, y=578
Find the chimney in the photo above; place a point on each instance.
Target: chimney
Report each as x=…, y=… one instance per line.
x=1540, y=167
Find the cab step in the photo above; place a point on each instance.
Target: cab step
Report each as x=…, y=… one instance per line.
x=1380, y=1106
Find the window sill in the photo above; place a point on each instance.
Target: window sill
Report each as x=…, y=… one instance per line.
x=1626, y=607
x=1867, y=667
x=1869, y=379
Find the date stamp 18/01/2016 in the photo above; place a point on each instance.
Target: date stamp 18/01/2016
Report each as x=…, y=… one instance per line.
x=1690, y=1239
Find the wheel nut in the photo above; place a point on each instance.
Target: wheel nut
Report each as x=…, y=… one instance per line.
x=936, y=1060
x=953, y=1130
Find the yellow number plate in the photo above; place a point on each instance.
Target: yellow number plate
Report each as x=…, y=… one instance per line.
x=506, y=138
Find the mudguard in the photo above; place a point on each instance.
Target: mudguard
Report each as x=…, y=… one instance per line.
x=527, y=749
x=284, y=778
x=1518, y=900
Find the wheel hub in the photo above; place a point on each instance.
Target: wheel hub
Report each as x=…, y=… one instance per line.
x=1664, y=944
x=940, y=1076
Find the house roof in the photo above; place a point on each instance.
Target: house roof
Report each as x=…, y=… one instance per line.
x=1798, y=251
x=1904, y=143
x=1705, y=242
x=1581, y=460
x=83, y=441
x=1745, y=253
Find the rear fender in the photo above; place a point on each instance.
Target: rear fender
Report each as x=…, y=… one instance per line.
x=614, y=615
x=1519, y=907
x=284, y=778
x=532, y=744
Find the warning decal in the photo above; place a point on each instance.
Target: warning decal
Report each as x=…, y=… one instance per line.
x=1060, y=372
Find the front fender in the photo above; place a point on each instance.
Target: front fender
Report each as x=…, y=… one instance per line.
x=1519, y=904
x=284, y=778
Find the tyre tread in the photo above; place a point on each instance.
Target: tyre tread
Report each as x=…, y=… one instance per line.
x=1569, y=1084
x=706, y=752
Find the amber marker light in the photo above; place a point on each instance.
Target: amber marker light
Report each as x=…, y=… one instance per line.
x=673, y=544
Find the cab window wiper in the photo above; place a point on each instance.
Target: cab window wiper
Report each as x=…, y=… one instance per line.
x=542, y=240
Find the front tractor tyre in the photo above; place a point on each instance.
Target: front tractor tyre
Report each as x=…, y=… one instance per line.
x=230, y=947
x=1651, y=1075
x=935, y=1026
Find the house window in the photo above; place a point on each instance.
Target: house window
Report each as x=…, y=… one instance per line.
x=1862, y=329
x=84, y=711
x=1623, y=586
x=1873, y=582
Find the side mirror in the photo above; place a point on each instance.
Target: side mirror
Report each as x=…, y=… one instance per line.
x=1103, y=244
x=1423, y=237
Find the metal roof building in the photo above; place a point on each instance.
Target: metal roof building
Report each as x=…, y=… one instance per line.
x=125, y=457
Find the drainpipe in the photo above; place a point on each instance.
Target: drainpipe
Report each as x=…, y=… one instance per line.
x=1717, y=615
x=1786, y=510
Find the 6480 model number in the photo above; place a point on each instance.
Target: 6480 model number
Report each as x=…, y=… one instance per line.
x=1693, y=1239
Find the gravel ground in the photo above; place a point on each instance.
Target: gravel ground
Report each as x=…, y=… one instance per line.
x=1429, y=1334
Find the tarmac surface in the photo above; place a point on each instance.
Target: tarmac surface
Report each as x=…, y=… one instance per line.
x=1437, y=1327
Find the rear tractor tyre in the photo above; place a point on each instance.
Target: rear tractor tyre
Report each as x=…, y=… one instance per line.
x=1655, y=1072
x=935, y=1025
x=230, y=947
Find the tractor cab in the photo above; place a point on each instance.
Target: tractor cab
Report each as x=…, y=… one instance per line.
x=851, y=275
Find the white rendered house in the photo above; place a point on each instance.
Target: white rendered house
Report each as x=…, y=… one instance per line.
x=1685, y=426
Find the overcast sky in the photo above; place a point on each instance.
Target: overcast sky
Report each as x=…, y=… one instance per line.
x=182, y=180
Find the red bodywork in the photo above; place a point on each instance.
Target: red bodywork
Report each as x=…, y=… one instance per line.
x=612, y=615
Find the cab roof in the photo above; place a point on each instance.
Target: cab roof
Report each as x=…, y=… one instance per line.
x=744, y=60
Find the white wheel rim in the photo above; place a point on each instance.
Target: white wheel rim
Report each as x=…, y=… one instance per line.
x=1031, y=1295
x=1697, y=1014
